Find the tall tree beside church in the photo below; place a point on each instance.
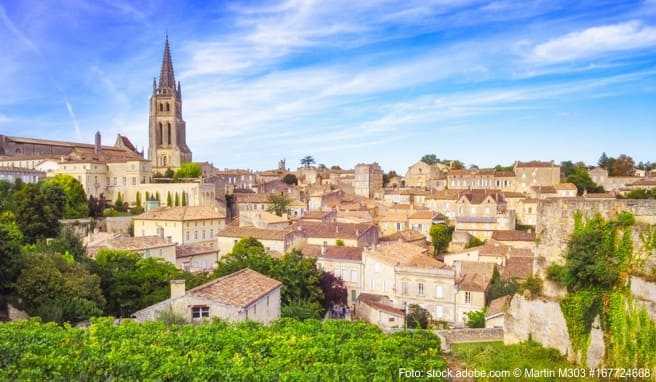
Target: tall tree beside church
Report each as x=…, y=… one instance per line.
x=38, y=211
x=603, y=161
x=76, y=199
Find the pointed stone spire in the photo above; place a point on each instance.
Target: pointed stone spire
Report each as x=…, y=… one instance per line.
x=166, y=76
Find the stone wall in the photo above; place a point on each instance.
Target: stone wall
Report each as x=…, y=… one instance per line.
x=543, y=321
x=645, y=294
x=555, y=220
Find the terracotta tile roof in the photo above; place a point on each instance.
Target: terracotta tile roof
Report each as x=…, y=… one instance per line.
x=252, y=198
x=256, y=233
x=445, y=195
x=566, y=186
x=128, y=243
x=333, y=230
x=316, y=215
x=534, y=164
x=379, y=302
x=600, y=195
x=475, y=276
x=498, y=306
x=504, y=174
x=393, y=216
x=544, y=189
x=513, y=235
x=476, y=219
x=644, y=182
x=240, y=288
x=181, y=213
x=408, y=236
x=422, y=214
x=195, y=249
x=405, y=254
x=333, y=252
x=520, y=267
x=513, y=194
x=478, y=196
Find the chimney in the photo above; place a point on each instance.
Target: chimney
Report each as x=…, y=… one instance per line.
x=98, y=145
x=177, y=288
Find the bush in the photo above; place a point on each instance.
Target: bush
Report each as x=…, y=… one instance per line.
x=287, y=350
x=417, y=317
x=557, y=273
x=302, y=310
x=475, y=319
x=474, y=242
x=533, y=285
x=170, y=317
x=441, y=235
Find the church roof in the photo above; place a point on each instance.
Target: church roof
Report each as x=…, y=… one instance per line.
x=166, y=76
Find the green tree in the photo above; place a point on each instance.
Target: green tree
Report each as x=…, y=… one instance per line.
x=76, y=199
x=177, y=200
x=474, y=242
x=581, y=178
x=10, y=256
x=38, y=211
x=120, y=205
x=290, y=179
x=623, y=165
x=300, y=276
x=50, y=282
x=138, y=199
x=598, y=255
x=500, y=287
x=475, y=319
x=169, y=173
x=603, y=161
x=169, y=199
x=418, y=317
x=339, y=242
x=130, y=282
x=188, y=170
x=157, y=197
x=307, y=161
x=279, y=204
x=430, y=159
x=441, y=235
x=184, y=198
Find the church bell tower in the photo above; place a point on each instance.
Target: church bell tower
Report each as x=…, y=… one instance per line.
x=167, y=130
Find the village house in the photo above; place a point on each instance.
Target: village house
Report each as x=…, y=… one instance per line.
x=535, y=173
x=490, y=252
x=240, y=296
x=368, y=179
x=425, y=176
x=342, y=262
x=600, y=176
x=325, y=217
x=408, y=236
x=379, y=310
x=349, y=235
x=479, y=212
x=26, y=175
x=146, y=246
x=515, y=238
x=275, y=241
x=181, y=225
x=200, y=256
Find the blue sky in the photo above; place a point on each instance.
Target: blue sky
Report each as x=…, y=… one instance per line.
x=485, y=82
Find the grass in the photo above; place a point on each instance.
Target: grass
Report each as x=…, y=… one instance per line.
x=528, y=355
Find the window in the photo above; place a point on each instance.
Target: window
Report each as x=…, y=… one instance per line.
x=354, y=276
x=187, y=235
x=200, y=312
x=439, y=311
x=467, y=297
x=161, y=107
x=167, y=107
x=353, y=296
x=404, y=287
x=168, y=133
x=195, y=235
x=420, y=289
x=160, y=135
x=439, y=291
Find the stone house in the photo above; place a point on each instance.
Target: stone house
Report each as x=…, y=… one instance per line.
x=181, y=225
x=26, y=175
x=147, y=246
x=527, y=211
x=535, y=173
x=342, y=262
x=368, y=179
x=240, y=296
x=197, y=257
x=423, y=175
x=515, y=238
x=496, y=312
x=479, y=212
x=471, y=179
x=490, y=252
x=444, y=202
x=379, y=310
x=274, y=240
x=351, y=235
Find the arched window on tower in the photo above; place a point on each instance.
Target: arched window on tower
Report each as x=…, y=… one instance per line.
x=167, y=107
x=161, y=107
x=168, y=133
x=160, y=135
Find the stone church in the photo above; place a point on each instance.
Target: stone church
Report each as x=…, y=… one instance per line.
x=167, y=130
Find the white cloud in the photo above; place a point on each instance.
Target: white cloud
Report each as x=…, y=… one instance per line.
x=596, y=41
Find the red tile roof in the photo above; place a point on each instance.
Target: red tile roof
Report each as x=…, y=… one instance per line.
x=240, y=288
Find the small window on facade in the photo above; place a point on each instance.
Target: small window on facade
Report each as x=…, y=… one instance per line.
x=200, y=312
x=467, y=297
x=420, y=289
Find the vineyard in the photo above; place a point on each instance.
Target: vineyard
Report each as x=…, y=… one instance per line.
x=287, y=350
